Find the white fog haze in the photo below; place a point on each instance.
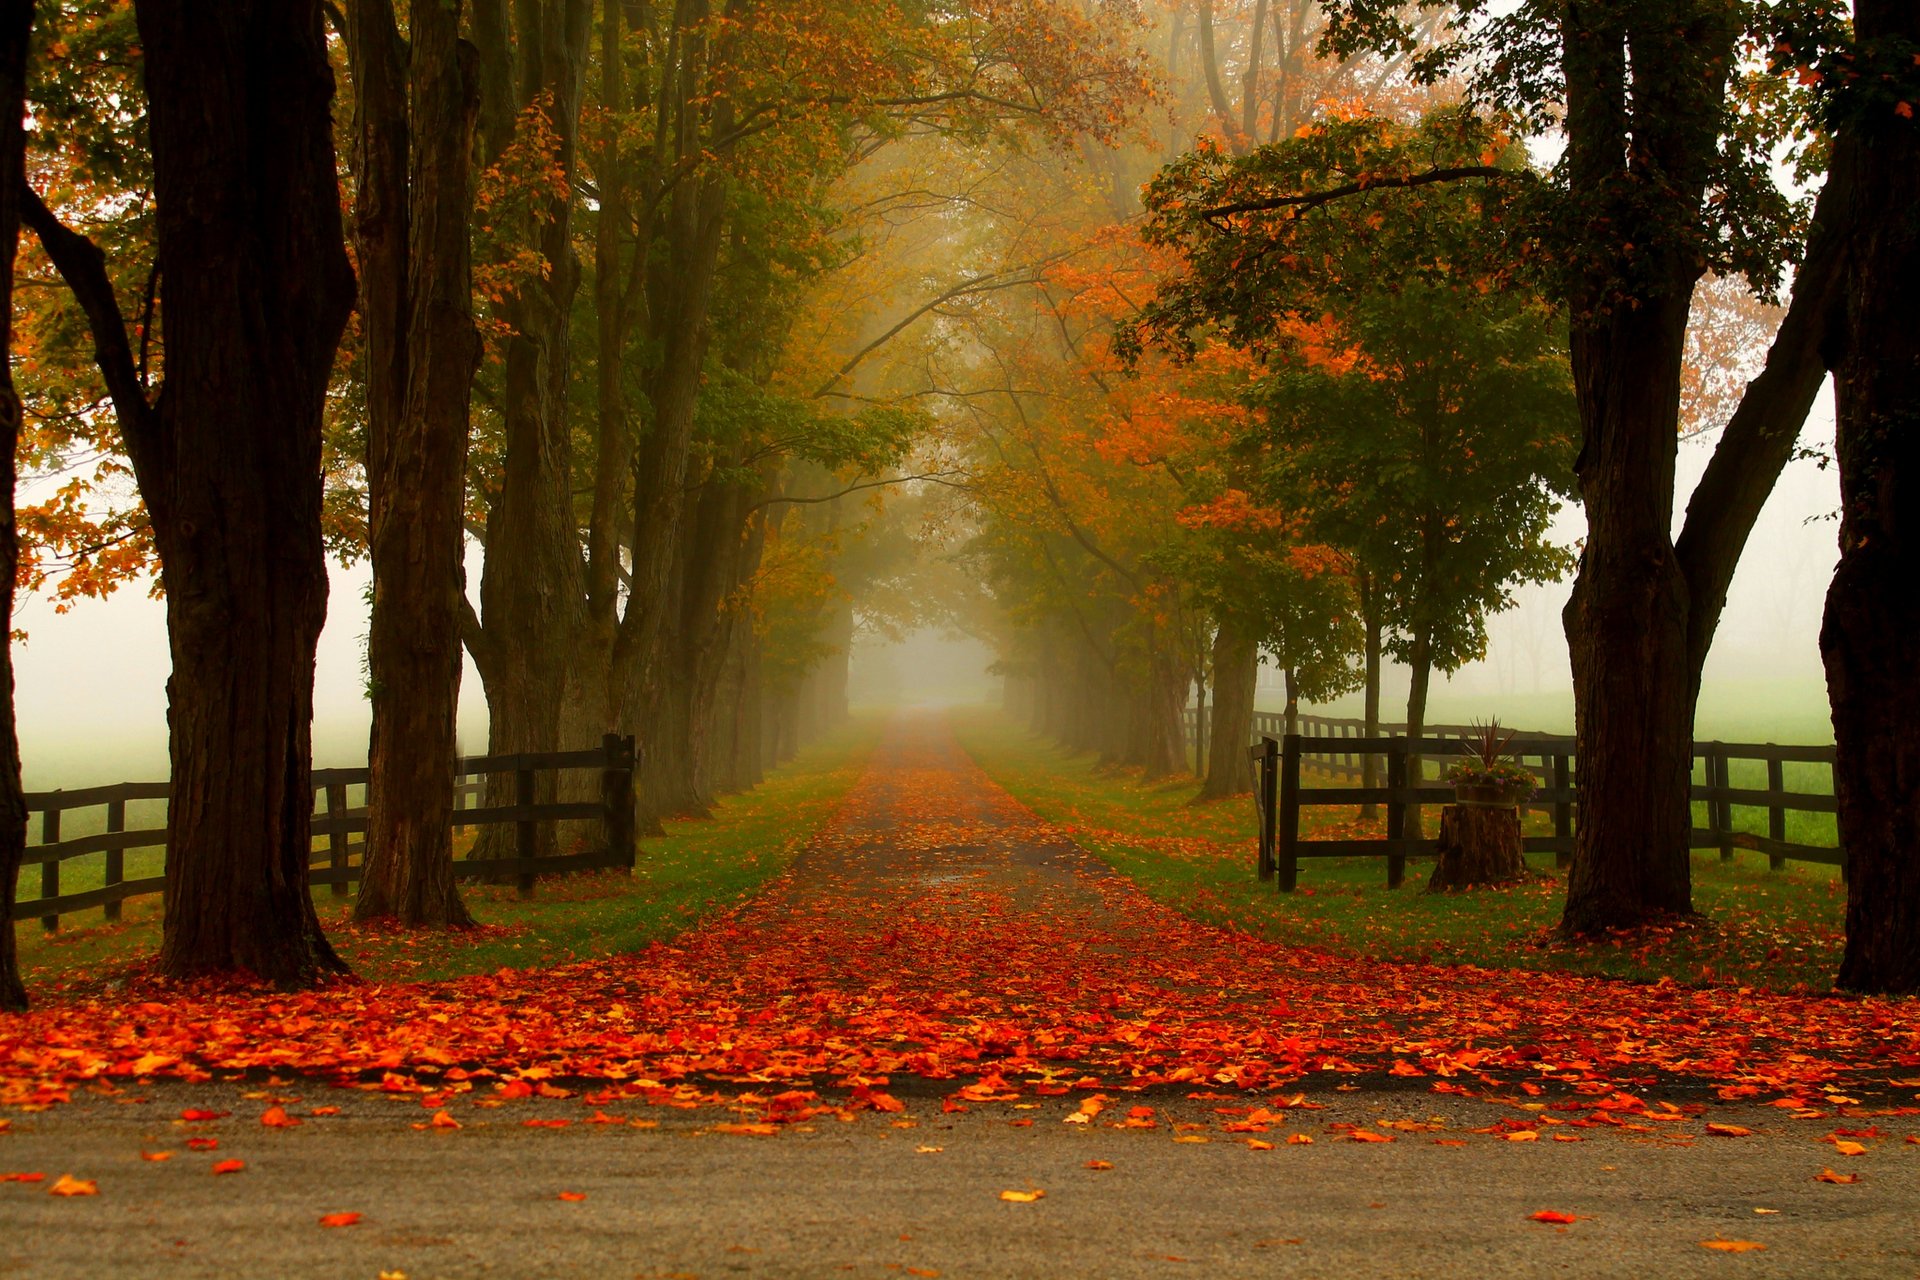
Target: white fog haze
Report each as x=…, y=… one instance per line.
x=927, y=668
x=92, y=697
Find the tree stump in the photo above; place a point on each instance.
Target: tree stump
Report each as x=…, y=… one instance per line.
x=1479, y=845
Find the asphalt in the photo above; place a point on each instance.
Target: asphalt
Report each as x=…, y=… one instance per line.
x=655, y=1191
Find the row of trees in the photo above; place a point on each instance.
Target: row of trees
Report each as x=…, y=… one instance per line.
x=1406, y=311
x=577, y=287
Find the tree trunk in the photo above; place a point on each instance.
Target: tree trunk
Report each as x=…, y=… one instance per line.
x=1236, y=672
x=1420, y=664
x=532, y=591
x=1292, y=720
x=1870, y=640
x=1478, y=846
x=255, y=291
x=1626, y=626
x=1370, y=690
x=16, y=25
x=414, y=203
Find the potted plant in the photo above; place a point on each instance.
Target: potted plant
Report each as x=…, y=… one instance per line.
x=1488, y=777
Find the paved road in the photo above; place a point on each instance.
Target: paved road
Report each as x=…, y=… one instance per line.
x=665, y=1192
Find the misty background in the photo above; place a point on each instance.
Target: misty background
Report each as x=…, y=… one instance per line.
x=92, y=698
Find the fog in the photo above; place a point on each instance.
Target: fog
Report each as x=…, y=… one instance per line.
x=91, y=694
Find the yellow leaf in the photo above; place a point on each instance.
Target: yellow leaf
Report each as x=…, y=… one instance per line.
x=1521, y=1135
x=1733, y=1246
x=1255, y=1144
x=1728, y=1130
x=1847, y=1148
x=1023, y=1197
x=1300, y=1139
x=68, y=1185
x=1193, y=1137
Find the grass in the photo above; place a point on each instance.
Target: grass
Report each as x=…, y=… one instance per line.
x=700, y=867
x=1779, y=930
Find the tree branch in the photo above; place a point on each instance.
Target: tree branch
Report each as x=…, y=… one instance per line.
x=1314, y=199
x=933, y=477
x=84, y=267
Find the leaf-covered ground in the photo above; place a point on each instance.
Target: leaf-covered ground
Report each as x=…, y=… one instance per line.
x=938, y=938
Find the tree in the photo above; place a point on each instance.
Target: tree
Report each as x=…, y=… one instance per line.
x=255, y=289
x=414, y=108
x=1870, y=639
x=1665, y=176
x=16, y=24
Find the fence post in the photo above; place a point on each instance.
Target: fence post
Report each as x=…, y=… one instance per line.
x=616, y=794
x=1397, y=811
x=1721, y=811
x=1776, y=812
x=116, y=858
x=336, y=838
x=1287, y=851
x=525, y=830
x=1266, y=803
x=50, y=869
x=1562, y=812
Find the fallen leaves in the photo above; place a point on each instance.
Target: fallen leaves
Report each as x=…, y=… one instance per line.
x=68, y=1185
x=156, y=1156
x=339, y=1219
x=573, y=1197
x=229, y=1166
x=1554, y=1216
x=1839, y=1179
x=276, y=1117
x=1728, y=1130
x=1733, y=1246
x=1022, y=1197
x=1847, y=1147
x=1108, y=1164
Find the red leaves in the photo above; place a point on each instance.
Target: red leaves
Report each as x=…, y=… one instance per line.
x=276, y=1117
x=1554, y=1216
x=339, y=1219
x=229, y=1166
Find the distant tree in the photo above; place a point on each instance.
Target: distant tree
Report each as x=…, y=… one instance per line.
x=255, y=289
x=16, y=24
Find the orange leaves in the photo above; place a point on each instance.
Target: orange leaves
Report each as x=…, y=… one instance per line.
x=572, y=1197
x=156, y=1156
x=276, y=1117
x=229, y=1166
x=1023, y=1197
x=202, y=1144
x=197, y=1114
x=1733, y=1246
x=1367, y=1135
x=442, y=1120
x=1098, y=1164
x=339, y=1219
x=68, y=1185
x=23, y=1177
x=1728, y=1130
x=1553, y=1216
x=1838, y=1179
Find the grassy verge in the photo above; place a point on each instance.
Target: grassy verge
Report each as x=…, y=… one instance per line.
x=1780, y=930
x=699, y=867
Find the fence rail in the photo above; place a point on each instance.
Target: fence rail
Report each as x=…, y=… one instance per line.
x=338, y=860
x=1333, y=747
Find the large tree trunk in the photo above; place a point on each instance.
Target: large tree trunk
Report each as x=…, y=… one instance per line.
x=1236, y=673
x=414, y=203
x=532, y=592
x=1420, y=667
x=1626, y=626
x=16, y=25
x=1627, y=621
x=1870, y=640
x=255, y=291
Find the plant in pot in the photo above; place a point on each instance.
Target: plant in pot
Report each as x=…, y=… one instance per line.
x=1488, y=777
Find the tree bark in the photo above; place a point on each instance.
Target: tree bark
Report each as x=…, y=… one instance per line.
x=255, y=291
x=532, y=591
x=16, y=26
x=1236, y=672
x=1420, y=665
x=1627, y=620
x=414, y=204
x=1870, y=640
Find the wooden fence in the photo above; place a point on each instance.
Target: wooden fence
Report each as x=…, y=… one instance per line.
x=338, y=856
x=1333, y=747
